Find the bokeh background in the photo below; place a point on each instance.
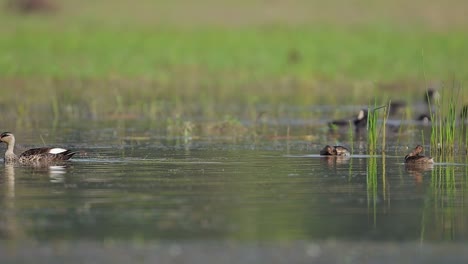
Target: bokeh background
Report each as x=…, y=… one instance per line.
x=82, y=59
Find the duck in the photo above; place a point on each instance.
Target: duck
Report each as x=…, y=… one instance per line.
x=35, y=156
x=424, y=118
x=464, y=113
x=334, y=151
x=359, y=122
x=396, y=107
x=431, y=96
x=415, y=157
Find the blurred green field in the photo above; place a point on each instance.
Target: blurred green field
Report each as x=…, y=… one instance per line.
x=298, y=52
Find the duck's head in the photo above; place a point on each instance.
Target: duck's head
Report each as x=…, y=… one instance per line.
x=7, y=137
x=327, y=150
x=418, y=149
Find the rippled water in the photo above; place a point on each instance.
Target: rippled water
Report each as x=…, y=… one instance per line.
x=146, y=187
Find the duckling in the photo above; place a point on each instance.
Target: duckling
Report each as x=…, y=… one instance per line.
x=33, y=156
x=334, y=151
x=416, y=157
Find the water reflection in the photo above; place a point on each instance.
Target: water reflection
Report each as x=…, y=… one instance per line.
x=10, y=217
x=416, y=170
x=333, y=161
x=8, y=220
x=444, y=215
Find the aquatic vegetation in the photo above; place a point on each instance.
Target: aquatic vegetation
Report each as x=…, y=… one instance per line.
x=373, y=128
x=386, y=113
x=372, y=132
x=448, y=134
x=230, y=126
x=351, y=137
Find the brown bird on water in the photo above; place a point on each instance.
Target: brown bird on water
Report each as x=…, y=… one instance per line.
x=334, y=151
x=415, y=156
x=34, y=157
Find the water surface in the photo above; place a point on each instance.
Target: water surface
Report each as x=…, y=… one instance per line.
x=186, y=195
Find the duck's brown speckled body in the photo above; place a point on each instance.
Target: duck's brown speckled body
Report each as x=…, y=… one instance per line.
x=36, y=156
x=415, y=156
x=334, y=151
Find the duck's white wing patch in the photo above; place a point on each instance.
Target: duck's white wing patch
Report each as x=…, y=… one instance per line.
x=360, y=115
x=57, y=150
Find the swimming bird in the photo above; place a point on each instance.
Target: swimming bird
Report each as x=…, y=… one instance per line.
x=35, y=156
x=359, y=122
x=415, y=156
x=424, y=118
x=334, y=151
x=431, y=96
x=396, y=107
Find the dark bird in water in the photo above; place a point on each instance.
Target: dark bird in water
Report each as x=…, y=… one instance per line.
x=431, y=96
x=415, y=156
x=425, y=118
x=359, y=122
x=35, y=156
x=464, y=113
x=396, y=107
x=334, y=151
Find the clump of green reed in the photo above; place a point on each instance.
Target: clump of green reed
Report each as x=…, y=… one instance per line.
x=384, y=124
x=372, y=128
x=351, y=136
x=180, y=130
x=463, y=128
x=445, y=132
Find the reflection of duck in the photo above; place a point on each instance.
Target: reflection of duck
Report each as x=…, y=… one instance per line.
x=416, y=170
x=359, y=122
x=36, y=156
x=416, y=157
x=332, y=161
x=334, y=151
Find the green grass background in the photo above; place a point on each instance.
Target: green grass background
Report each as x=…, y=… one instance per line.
x=97, y=55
